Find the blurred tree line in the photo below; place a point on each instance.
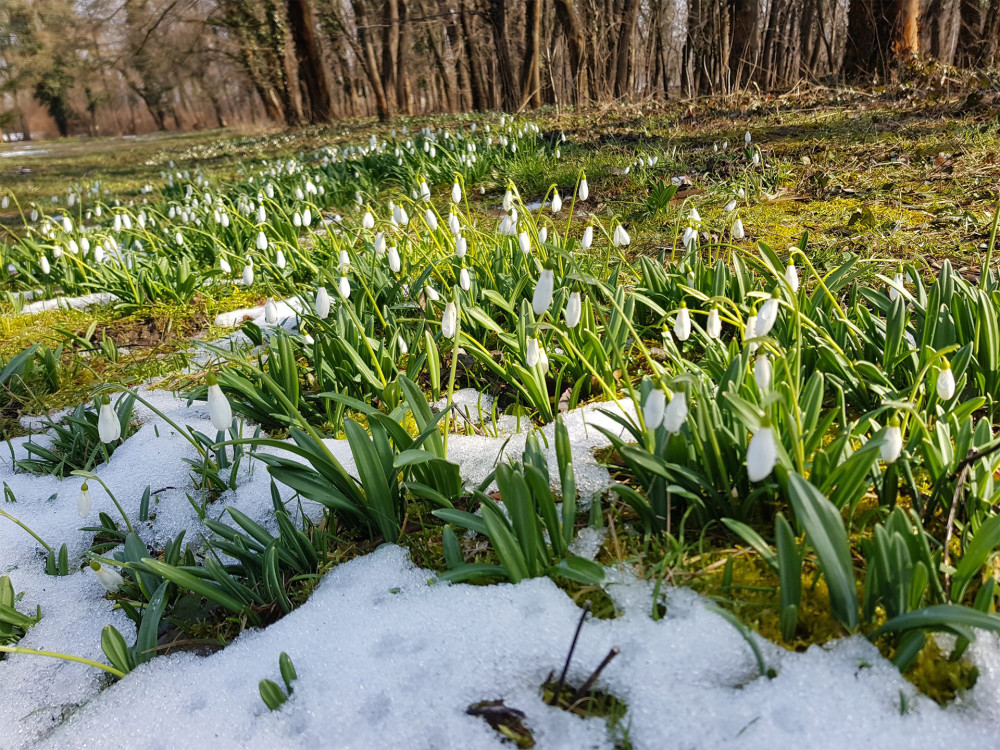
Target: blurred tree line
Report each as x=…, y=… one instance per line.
x=133, y=65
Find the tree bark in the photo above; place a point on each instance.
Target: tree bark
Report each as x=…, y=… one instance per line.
x=505, y=70
x=312, y=75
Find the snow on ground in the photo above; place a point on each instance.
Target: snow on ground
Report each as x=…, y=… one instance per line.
x=69, y=303
x=387, y=658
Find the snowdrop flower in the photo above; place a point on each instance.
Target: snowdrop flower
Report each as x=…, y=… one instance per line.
x=682, y=324
x=588, y=238
x=453, y=224
x=767, y=317
x=110, y=579
x=403, y=348
x=431, y=293
x=731, y=206
x=762, y=372
x=892, y=442
x=714, y=325
x=556, y=202
x=224, y=265
x=746, y=137
x=345, y=260
x=653, y=409
x=248, y=273
x=261, y=241
x=84, y=245
x=583, y=191
x=322, y=304
x=109, y=427
x=456, y=193
x=738, y=231
x=279, y=260
x=394, y=264
x=750, y=331
x=116, y=224
x=689, y=237
x=431, y=219
x=449, y=320
x=43, y=262
x=99, y=254
x=945, y=382
x=573, y=311
x=219, y=410
x=224, y=220
x=261, y=215
x=694, y=217
x=508, y=200
x=524, y=243
x=531, y=354
x=270, y=311
x=676, y=412
x=543, y=292
x=762, y=453
x=83, y=503
x=461, y=246
x=307, y=217
x=896, y=287
x=400, y=216
x=379, y=243
x=179, y=238
x=344, y=287
x=792, y=277
x=67, y=225
x=425, y=192
x=463, y=279
x=756, y=158
x=543, y=234
x=368, y=222
x=620, y=237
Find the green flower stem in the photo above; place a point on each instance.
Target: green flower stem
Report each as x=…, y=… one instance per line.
x=65, y=657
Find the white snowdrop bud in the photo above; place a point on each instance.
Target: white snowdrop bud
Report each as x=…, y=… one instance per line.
x=279, y=260
x=345, y=260
x=224, y=265
x=456, y=192
x=127, y=221
x=261, y=241
x=110, y=579
x=574, y=308
x=403, y=348
x=762, y=454
x=179, y=238
x=524, y=243
x=792, y=277
x=248, y=275
x=344, y=287
x=379, y=243
x=556, y=202
x=109, y=427
x=731, y=206
x=99, y=254
x=676, y=412
x=531, y=352
x=453, y=223
x=431, y=293
x=270, y=311
x=682, y=324
x=261, y=215
x=307, y=217
x=588, y=238
x=322, y=304
x=714, y=325
x=747, y=138
x=67, y=224
x=84, y=245
x=116, y=224
x=83, y=503
x=751, y=332
x=225, y=220
x=461, y=246
x=694, y=217
x=583, y=191
x=945, y=382
x=738, y=231
x=219, y=410
x=620, y=237
x=654, y=408
x=43, y=263
x=463, y=279
x=297, y=219
x=762, y=372
x=425, y=192
x=543, y=292
x=756, y=158
x=394, y=263
x=767, y=317
x=431, y=219
x=896, y=287
x=449, y=321
x=892, y=443
x=543, y=234
x=368, y=221
x=508, y=200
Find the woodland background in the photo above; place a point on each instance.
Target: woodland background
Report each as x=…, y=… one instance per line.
x=112, y=67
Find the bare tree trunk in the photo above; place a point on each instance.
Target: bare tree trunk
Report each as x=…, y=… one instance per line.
x=530, y=78
x=390, y=51
x=317, y=101
x=623, y=63
x=505, y=70
x=477, y=88
x=576, y=45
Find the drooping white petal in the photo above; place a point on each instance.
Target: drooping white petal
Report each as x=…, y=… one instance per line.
x=219, y=410
x=449, y=321
x=714, y=325
x=574, y=309
x=344, y=287
x=762, y=454
x=676, y=413
x=892, y=444
x=109, y=427
x=322, y=304
x=946, y=384
x=762, y=372
x=682, y=325
x=531, y=353
x=543, y=292
x=654, y=408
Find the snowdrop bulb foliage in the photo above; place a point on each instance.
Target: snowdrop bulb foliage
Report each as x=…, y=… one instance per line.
x=109, y=427
x=762, y=454
x=714, y=325
x=543, y=292
x=762, y=372
x=524, y=243
x=892, y=443
x=270, y=311
x=431, y=219
x=456, y=193
x=368, y=222
x=620, y=237
x=738, y=232
x=345, y=287
x=110, y=579
x=322, y=304
x=279, y=260
x=394, y=264
x=261, y=241
x=676, y=413
x=556, y=202
x=583, y=191
x=574, y=308
x=449, y=320
x=792, y=277
x=945, y=382
x=653, y=409
x=588, y=238
x=682, y=324
x=463, y=279
x=219, y=410
x=461, y=246
x=766, y=317
x=83, y=503
x=531, y=353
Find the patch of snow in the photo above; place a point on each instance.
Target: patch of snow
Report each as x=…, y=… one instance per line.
x=83, y=302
